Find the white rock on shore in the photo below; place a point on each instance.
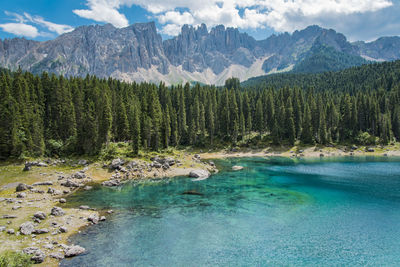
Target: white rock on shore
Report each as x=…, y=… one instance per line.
x=199, y=174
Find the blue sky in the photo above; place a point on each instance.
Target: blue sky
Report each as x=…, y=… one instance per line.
x=357, y=19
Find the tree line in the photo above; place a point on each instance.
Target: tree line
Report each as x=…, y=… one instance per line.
x=52, y=115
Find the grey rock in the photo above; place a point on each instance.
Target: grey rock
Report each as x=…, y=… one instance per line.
x=79, y=175
x=10, y=231
x=21, y=187
x=102, y=218
x=57, y=211
x=116, y=163
x=93, y=218
x=27, y=228
x=84, y=207
x=43, y=183
x=6, y=216
x=56, y=255
x=73, y=250
x=199, y=174
x=40, y=215
x=69, y=183
x=111, y=183
x=83, y=162
x=41, y=231
x=2, y=228
x=63, y=229
x=16, y=207
x=21, y=195
x=38, y=256
x=62, y=200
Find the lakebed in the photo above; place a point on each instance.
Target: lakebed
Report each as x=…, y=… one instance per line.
x=275, y=211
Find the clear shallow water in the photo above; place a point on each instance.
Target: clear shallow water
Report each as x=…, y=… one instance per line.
x=329, y=212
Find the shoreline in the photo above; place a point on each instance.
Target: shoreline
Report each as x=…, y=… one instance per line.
x=309, y=152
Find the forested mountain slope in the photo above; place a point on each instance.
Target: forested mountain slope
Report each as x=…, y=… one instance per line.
x=54, y=116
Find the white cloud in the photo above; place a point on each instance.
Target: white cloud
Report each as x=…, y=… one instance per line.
x=53, y=27
x=104, y=11
x=23, y=29
x=281, y=15
x=20, y=29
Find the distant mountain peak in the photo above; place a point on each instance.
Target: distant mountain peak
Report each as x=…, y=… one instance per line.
x=138, y=53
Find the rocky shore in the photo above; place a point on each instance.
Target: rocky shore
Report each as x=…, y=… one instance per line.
x=33, y=216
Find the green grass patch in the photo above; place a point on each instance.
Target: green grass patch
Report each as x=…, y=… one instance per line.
x=15, y=259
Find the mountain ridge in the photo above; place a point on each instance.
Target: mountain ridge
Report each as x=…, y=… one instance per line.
x=138, y=53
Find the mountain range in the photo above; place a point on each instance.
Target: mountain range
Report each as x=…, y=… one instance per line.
x=138, y=53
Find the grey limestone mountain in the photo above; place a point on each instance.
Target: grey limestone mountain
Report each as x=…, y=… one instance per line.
x=138, y=53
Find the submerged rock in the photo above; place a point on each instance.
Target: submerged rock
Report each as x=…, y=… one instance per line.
x=192, y=192
x=237, y=168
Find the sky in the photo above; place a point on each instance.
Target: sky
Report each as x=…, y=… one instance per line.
x=364, y=20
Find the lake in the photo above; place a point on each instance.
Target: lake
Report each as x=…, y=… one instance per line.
x=274, y=212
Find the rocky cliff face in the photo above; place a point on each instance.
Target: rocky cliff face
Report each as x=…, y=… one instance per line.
x=137, y=52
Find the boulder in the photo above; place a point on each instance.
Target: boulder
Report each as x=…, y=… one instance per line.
x=62, y=200
x=41, y=231
x=199, y=174
x=111, y=183
x=116, y=163
x=157, y=165
x=83, y=162
x=40, y=215
x=10, y=231
x=2, y=228
x=21, y=195
x=43, y=183
x=84, y=207
x=102, y=218
x=6, y=216
x=57, y=256
x=70, y=183
x=21, y=187
x=57, y=211
x=63, y=229
x=73, y=250
x=237, y=168
x=79, y=175
x=27, y=228
x=93, y=218
x=27, y=168
x=370, y=149
x=38, y=256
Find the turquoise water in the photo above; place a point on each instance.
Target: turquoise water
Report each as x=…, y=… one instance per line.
x=275, y=212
